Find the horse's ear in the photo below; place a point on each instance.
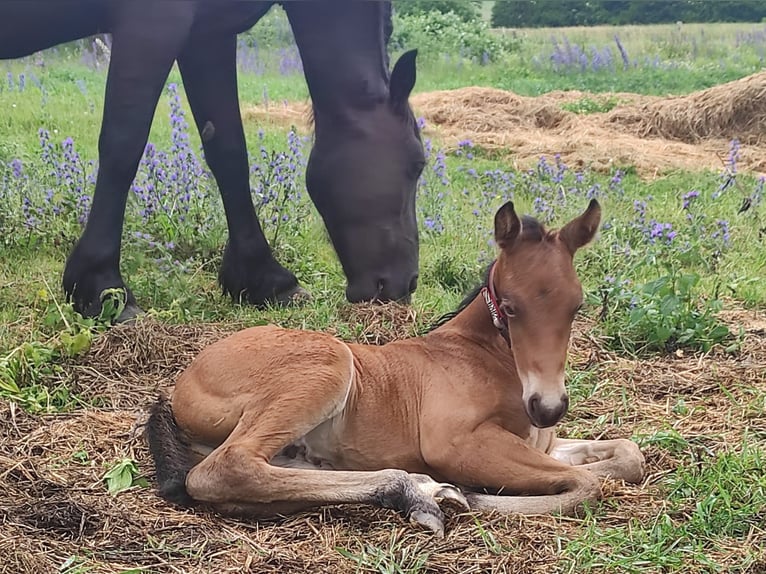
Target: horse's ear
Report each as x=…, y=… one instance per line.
x=403, y=79
x=582, y=229
x=507, y=225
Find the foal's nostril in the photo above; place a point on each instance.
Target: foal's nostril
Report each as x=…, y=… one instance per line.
x=534, y=405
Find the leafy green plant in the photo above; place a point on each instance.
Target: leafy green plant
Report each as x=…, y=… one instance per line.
x=22, y=374
x=122, y=476
x=465, y=10
x=75, y=565
x=662, y=314
x=31, y=373
x=586, y=105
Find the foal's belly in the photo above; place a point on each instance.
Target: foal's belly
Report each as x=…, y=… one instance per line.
x=339, y=444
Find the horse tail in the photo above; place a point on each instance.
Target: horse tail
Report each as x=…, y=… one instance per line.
x=171, y=453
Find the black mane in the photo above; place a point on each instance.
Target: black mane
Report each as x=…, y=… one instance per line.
x=464, y=303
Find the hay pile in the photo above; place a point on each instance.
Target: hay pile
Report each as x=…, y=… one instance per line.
x=54, y=508
x=733, y=110
x=488, y=110
x=649, y=133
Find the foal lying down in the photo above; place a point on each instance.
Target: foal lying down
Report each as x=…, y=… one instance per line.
x=270, y=421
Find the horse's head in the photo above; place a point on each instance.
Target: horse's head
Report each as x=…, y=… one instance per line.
x=362, y=176
x=537, y=289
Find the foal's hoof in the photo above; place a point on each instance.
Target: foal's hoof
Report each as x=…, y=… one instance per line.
x=428, y=521
x=435, y=495
x=442, y=492
x=451, y=496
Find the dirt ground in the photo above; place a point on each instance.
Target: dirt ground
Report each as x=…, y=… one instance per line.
x=651, y=134
x=54, y=506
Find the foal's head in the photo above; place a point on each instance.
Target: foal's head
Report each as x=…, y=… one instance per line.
x=537, y=289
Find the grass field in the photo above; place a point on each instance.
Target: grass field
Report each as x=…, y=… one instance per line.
x=670, y=349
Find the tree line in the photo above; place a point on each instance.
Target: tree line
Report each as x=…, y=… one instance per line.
x=543, y=13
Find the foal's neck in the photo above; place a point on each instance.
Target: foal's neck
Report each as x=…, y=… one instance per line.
x=475, y=323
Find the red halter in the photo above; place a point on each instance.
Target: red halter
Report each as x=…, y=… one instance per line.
x=499, y=318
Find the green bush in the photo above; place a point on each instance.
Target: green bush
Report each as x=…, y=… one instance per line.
x=540, y=13
x=271, y=32
x=437, y=33
x=663, y=314
x=466, y=11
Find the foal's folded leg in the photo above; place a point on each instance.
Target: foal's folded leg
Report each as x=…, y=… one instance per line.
x=235, y=477
x=528, y=480
x=620, y=459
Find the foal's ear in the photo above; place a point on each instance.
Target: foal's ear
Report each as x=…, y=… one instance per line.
x=403, y=79
x=507, y=225
x=582, y=229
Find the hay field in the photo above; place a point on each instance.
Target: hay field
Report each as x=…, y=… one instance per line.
x=650, y=133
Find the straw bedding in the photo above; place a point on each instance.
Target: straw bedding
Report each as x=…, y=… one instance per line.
x=55, y=510
x=651, y=134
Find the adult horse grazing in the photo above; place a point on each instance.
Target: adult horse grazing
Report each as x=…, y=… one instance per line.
x=363, y=168
x=258, y=416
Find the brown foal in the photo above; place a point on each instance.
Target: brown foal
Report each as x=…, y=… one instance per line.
x=270, y=420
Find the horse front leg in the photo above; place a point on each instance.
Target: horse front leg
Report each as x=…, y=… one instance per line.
x=488, y=457
x=249, y=271
x=619, y=459
x=146, y=38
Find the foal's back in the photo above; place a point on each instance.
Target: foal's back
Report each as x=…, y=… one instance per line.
x=367, y=417
x=254, y=371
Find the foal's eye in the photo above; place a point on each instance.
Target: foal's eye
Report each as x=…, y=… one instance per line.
x=508, y=310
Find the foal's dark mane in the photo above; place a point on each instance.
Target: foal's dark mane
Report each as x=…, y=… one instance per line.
x=531, y=230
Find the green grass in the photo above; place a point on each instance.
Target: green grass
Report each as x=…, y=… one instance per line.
x=713, y=503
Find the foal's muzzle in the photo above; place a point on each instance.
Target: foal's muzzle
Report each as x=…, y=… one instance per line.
x=544, y=414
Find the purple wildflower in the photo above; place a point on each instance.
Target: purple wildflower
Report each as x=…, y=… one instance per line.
x=17, y=169
x=688, y=198
x=661, y=232
x=623, y=52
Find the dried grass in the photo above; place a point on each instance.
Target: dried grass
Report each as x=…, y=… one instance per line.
x=652, y=134
x=54, y=506
x=733, y=110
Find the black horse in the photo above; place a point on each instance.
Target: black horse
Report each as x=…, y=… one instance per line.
x=364, y=165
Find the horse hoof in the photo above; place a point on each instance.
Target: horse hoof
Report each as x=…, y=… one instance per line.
x=293, y=297
x=428, y=521
x=129, y=314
